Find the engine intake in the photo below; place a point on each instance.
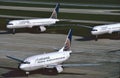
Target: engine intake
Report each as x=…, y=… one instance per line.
x=42, y=28
x=59, y=68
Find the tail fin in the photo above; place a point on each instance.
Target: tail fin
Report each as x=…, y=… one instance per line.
x=55, y=11
x=67, y=44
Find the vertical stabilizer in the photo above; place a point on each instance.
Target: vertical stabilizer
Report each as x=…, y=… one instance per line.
x=67, y=44
x=55, y=11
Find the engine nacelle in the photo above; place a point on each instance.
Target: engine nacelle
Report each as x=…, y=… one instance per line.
x=42, y=28
x=59, y=68
x=110, y=32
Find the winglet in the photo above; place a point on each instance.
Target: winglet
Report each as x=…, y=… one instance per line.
x=67, y=44
x=55, y=11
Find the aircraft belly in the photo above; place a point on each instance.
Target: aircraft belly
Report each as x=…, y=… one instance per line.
x=35, y=67
x=32, y=68
x=99, y=32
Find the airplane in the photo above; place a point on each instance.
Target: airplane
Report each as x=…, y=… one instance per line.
x=50, y=60
x=102, y=29
x=29, y=23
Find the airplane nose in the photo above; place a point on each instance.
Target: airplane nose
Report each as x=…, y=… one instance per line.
x=25, y=67
x=22, y=67
x=93, y=32
x=9, y=26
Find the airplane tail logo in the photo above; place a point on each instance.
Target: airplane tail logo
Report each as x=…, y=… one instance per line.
x=67, y=45
x=55, y=12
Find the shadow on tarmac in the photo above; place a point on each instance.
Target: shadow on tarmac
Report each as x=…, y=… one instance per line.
x=15, y=72
x=85, y=39
x=4, y=32
x=113, y=51
x=90, y=38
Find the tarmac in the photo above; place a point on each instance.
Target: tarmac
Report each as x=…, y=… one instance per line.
x=21, y=45
x=64, y=4
x=65, y=10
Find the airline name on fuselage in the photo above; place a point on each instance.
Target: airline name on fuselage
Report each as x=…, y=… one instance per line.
x=40, y=60
x=104, y=28
x=46, y=59
x=24, y=22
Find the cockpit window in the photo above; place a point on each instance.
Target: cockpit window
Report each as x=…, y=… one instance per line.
x=10, y=23
x=94, y=30
x=26, y=62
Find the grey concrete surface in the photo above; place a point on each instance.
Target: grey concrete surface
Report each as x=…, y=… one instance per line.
x=65, y=10
x=22, y=45
x=65, y=4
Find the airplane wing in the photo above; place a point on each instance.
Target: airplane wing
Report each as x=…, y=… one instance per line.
x=79, y=65
x=85, y=26
x=16, y=59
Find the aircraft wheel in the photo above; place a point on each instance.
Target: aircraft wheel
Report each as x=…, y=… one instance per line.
x=96, y=38
x=13, y=31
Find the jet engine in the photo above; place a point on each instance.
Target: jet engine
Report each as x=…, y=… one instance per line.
x=110, y=32
x=42, y=28
x=59, y=68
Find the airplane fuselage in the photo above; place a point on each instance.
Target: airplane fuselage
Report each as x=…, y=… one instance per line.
x=49, y=60
x=102, y=29
x=29, y=23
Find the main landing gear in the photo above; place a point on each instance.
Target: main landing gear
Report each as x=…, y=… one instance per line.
x=119, y=34
x=13, y=31
x=96, y=38
x=27, y=73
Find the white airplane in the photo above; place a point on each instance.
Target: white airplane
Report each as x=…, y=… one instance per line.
x=103, y=29
x=29, y=23
x=50, y=60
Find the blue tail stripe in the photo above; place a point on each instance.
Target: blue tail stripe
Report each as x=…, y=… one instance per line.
x=57, y=7
x=70, y=35
x=67, y=44
x=55, y=11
